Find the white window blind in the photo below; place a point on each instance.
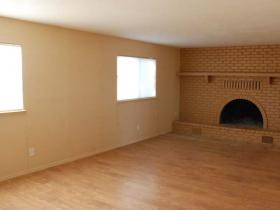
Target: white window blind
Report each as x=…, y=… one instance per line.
x=136, y=78
x=11, y=92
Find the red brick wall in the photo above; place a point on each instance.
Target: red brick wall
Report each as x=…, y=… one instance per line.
x=202, y=102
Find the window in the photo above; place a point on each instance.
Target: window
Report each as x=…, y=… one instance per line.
x=136, y=78
x=11, y=93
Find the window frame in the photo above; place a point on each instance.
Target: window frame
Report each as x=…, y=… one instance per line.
x=23, y=109
x=136, y=99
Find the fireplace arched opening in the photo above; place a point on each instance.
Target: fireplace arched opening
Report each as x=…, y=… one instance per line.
x=241, y=113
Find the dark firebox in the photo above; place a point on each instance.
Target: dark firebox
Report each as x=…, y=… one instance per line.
x=242, y=113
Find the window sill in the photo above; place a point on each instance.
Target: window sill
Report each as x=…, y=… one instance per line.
x=12, y=111
x=136, y=99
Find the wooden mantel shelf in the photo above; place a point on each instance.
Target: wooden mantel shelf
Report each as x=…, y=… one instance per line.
x=208, y=75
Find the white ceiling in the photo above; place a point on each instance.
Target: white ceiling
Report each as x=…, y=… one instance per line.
x=183, y=23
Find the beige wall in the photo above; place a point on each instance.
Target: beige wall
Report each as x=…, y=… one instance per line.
x=70, y=97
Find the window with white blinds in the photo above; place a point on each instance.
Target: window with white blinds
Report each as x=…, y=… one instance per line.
x=136, y=78
x=11, y=90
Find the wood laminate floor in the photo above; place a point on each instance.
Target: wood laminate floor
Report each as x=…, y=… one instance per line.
x=165, y=173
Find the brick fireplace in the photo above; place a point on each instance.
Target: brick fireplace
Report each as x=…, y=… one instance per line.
x=231, y=92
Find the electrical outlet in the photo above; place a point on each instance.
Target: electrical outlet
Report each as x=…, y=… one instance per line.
x=31, y=151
